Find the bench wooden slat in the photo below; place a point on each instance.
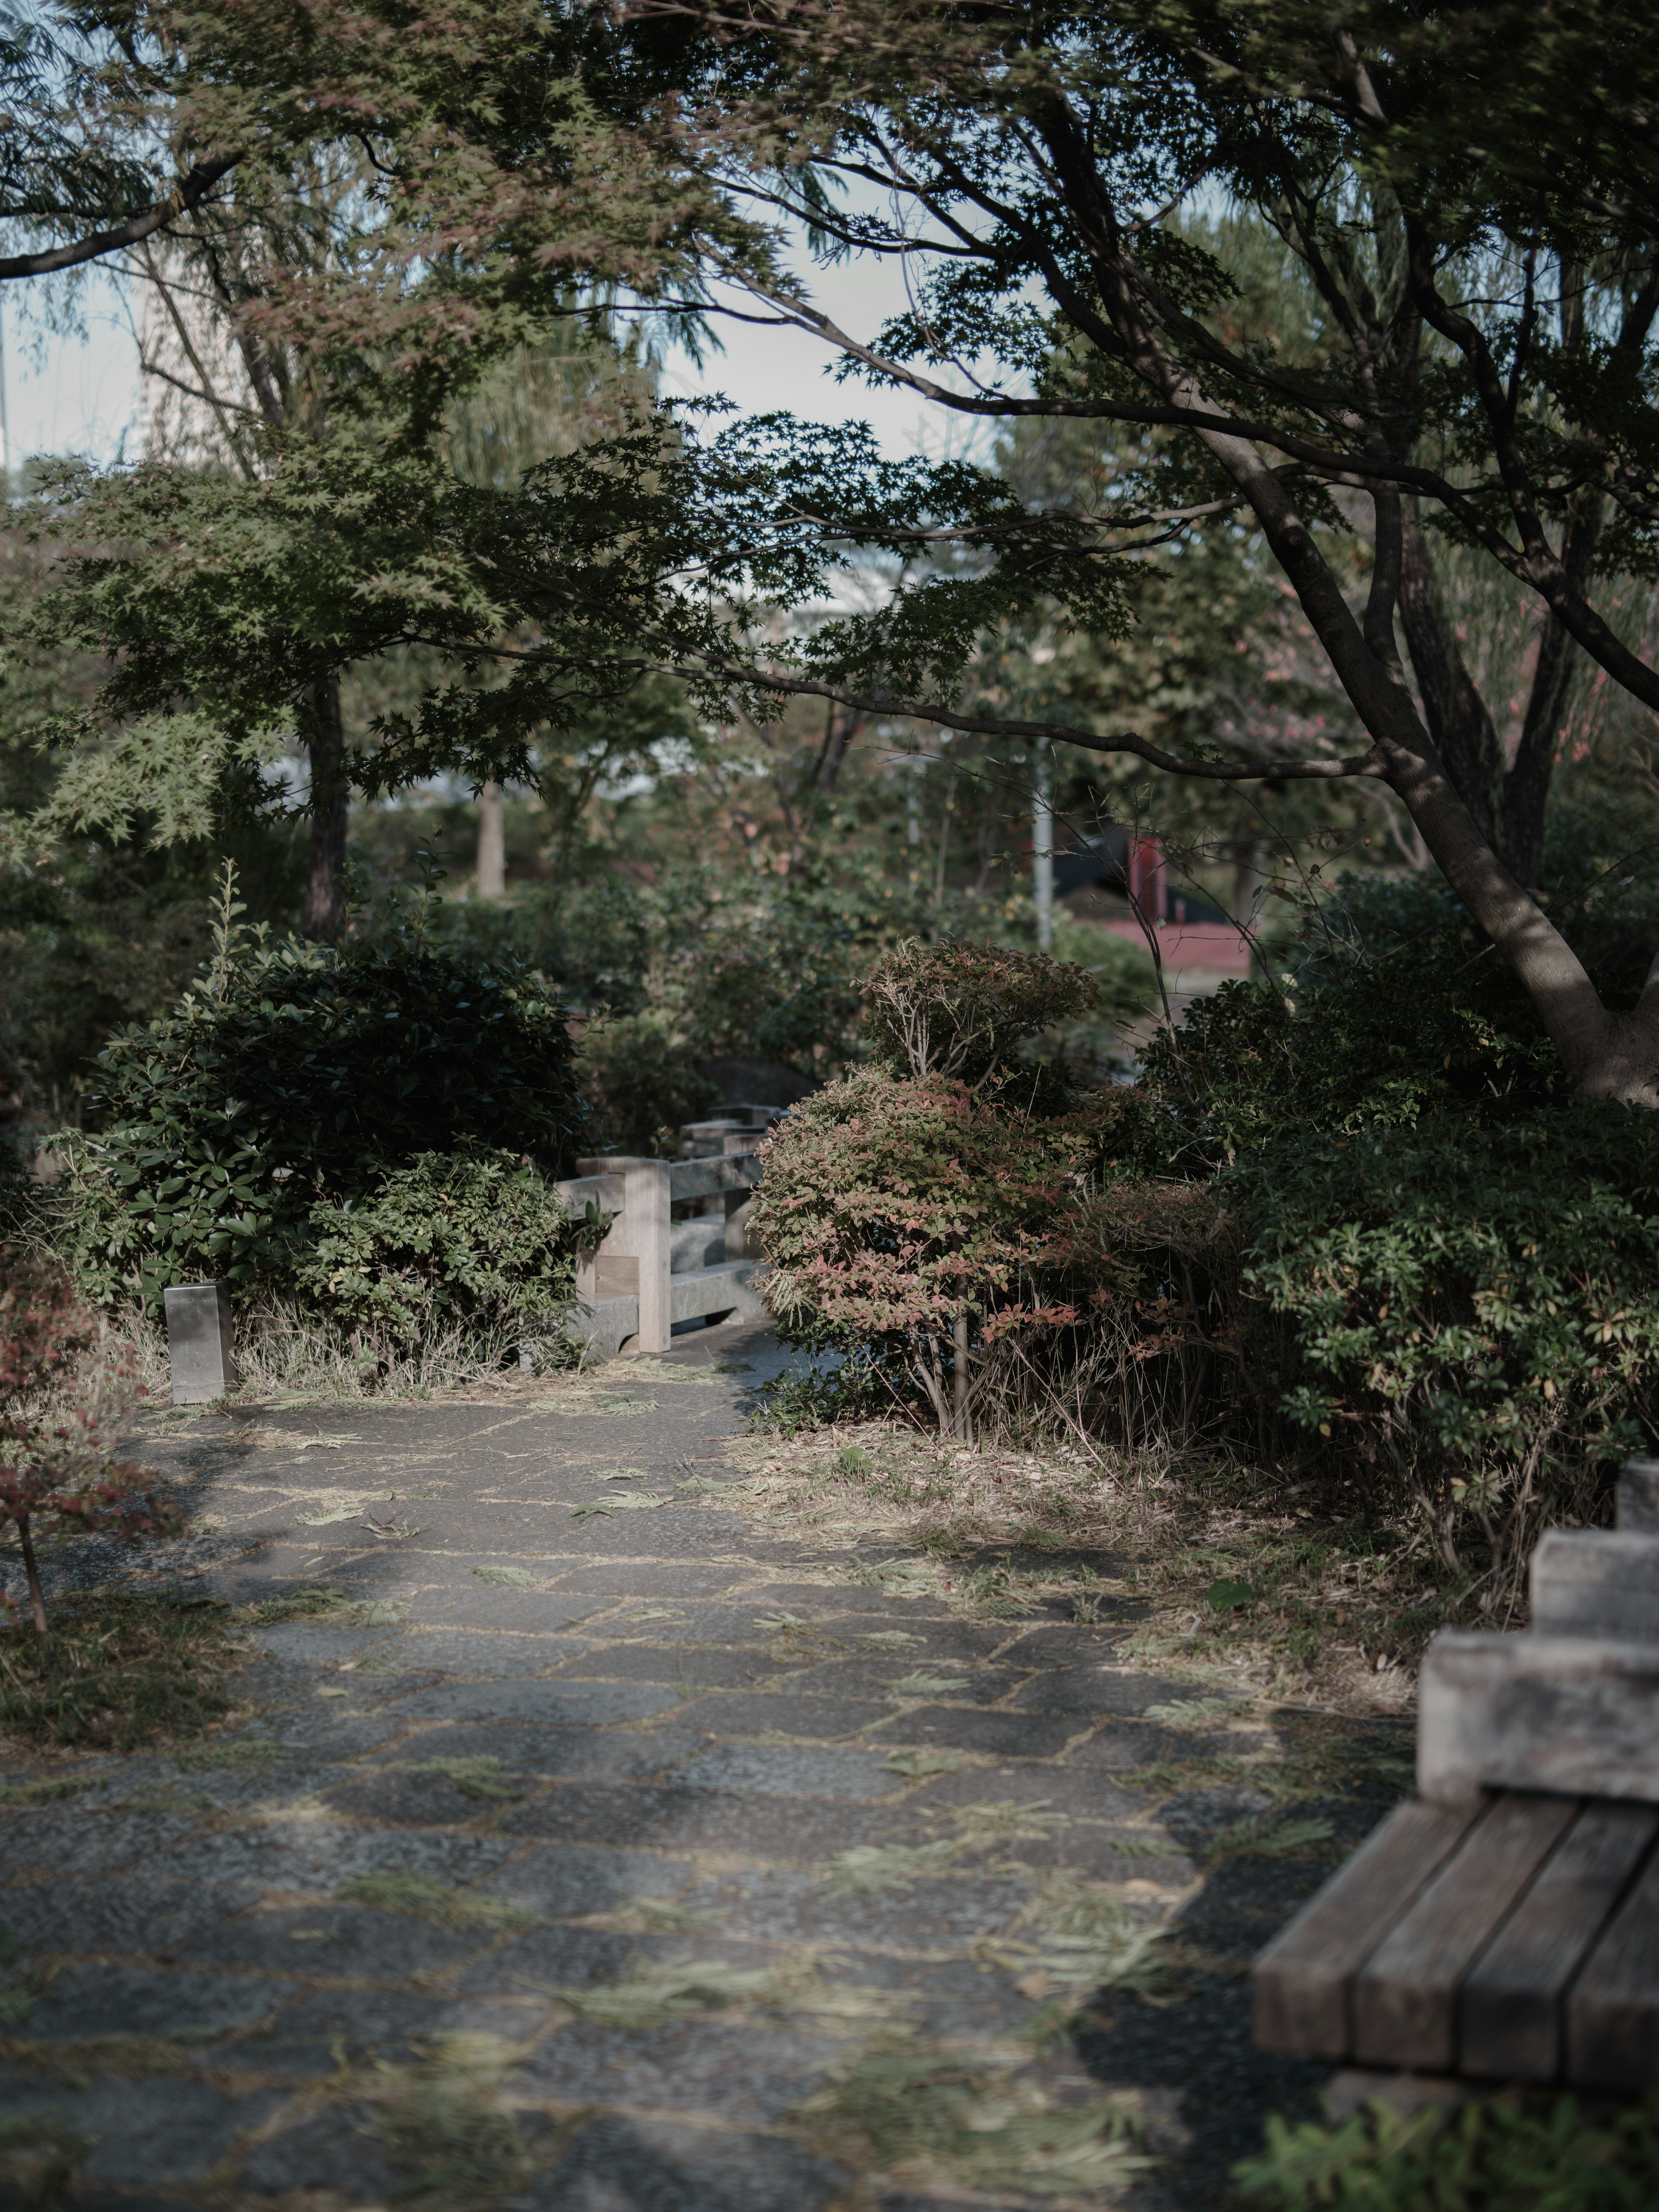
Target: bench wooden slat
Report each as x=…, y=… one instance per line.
x=1613, y=2010
x=1304, y=1978
x=1405, y=1998
x=1510, y=2009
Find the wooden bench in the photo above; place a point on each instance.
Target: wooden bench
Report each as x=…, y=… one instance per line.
x=1503, y=1923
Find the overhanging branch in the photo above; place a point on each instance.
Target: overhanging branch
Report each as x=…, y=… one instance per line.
x=184, y=196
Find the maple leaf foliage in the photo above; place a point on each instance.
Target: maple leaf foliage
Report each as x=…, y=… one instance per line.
x=57, y=1471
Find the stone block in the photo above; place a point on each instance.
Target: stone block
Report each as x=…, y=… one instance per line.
x=201, y=1337
x=715, y=2069
x=1573, y=1714
x=1001, y=1735
x=1638, y=1496
x=603, y=1323
x=104, y=1999
x=792, y=1771
x=730, y=1287
x=1596, y=1582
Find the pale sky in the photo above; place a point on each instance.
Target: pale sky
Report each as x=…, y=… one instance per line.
x=79, y=393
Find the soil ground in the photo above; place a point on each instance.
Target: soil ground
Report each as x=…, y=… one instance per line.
x=588, y=1845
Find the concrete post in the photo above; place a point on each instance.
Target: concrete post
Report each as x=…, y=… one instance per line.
x=201, y=1334
x=642, y=1236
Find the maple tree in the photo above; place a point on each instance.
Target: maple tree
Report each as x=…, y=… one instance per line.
x=1466, y=196
x=56, y=1470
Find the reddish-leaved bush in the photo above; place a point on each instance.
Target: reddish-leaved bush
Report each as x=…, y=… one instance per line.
x=918, y=1218
x=56, y=1469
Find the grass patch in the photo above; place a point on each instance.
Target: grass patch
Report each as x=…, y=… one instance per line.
x=867, y=1868
x=120, y=1670
x=907, y=2105
x=914, y=1764
x=233, y=1754
x=302, y=1604
x=1262, y=1837
x=653, y=1991
x=394, y=1889
x=45, y=1789
x=163, y=1798
x=1079, y=1937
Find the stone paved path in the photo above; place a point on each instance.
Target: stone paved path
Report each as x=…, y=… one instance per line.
x=568, y=1853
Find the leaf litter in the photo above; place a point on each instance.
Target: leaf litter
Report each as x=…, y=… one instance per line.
x=652, y=1992
x=975, y=2119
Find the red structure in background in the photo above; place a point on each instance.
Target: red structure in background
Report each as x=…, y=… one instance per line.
x=1211, y=944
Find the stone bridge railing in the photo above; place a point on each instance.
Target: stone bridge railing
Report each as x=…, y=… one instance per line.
x=652, y=1269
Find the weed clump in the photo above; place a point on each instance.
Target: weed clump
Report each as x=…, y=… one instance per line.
x=1543, y=2155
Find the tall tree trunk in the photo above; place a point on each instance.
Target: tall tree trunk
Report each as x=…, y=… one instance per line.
x=1249, y=874
x=961, y=1427
x=1462, y=730
x=32, y=1573
x=1043, y=846
x=492, y=843
x=323, y=914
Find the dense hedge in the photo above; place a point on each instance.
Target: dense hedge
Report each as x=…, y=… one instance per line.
x=1473, y=1311
x=299, y=1085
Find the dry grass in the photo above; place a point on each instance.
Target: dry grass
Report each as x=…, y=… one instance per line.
x=1232, y=1582
x=285, y=1355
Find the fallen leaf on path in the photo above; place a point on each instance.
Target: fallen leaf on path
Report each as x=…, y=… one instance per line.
x=914, y=1763
x=1191, y=1712
x=625, y=1501
x=870, y=1866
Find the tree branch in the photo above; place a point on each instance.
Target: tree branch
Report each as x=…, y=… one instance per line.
x=185, y=195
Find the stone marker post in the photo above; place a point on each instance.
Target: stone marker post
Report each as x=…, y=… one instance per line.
x=200, y=1339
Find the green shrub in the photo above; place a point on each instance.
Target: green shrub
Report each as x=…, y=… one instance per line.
x=1474, y=1309
x=470, y=1237
x=1380, y=1042
x=288, y=1087
x=1492, y=2157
